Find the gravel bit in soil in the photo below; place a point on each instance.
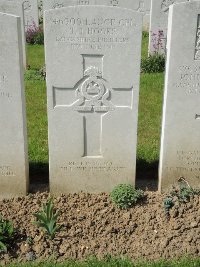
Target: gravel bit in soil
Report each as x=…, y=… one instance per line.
x=92, y=225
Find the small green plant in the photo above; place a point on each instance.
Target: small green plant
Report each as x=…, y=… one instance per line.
x=47, y=219
x=183, y=194
x=153, y=64
x=168, y=204
x=179, y=194
x=125, y=195
x=6, y=233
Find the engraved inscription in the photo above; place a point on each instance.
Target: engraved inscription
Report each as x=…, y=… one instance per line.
x=6, y=171
x=91, y=166
x=98, y=33
x=114, y=2
x=3, y=81
x=83, y=2
x=197, y=43
x=188, y=78
x=58, y=5
x=189, y=163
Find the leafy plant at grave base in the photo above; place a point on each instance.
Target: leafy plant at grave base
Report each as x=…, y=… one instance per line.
x=181, y=193
x=47, y=219
x=6, y=233
x=35, y=35
x=125, y=195
x=153, y=64
x=184, y=194
x=168, y=204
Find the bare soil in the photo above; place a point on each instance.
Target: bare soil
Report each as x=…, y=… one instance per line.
x=92, y=225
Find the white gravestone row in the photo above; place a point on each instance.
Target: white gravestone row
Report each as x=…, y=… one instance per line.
x=15, y=8
x=180, y=146
x=31, y=15
x=92, y=90
x=158, y=25
x=142, y=6
x=13, y=142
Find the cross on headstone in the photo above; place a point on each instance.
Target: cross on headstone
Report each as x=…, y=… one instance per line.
x=93, y=95
x=141, y=6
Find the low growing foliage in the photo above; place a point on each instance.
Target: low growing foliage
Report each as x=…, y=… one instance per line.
x=153, y=64
x=125, y=195
x=180, y=194
x=6, y=233
x=47, y=219
x=35, y=35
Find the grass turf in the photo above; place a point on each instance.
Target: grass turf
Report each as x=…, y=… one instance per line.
x=110, y=262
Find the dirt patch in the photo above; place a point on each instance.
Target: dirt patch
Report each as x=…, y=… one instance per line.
x=92, y=225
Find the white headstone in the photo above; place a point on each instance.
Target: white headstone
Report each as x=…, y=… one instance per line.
x=15, y=8
x=143, y=6
x=93, y=69
x=31, y=13
x=158, y=25
x=13, y=142
x=180, y=146
x=40, y=8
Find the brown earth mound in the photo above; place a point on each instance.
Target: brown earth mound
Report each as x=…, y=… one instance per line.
x=92, y=225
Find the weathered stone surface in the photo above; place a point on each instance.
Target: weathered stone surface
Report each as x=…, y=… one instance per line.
x=13, y=142
x=93, y=69
x=180, y=147
x=143, y=6
x=158, y=25
x=15, y=8
x=31, y=15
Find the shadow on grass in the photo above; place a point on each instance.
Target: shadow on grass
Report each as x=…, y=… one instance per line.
x=147, y=175
x=39, y=177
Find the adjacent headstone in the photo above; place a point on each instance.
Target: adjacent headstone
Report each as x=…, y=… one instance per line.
x=15, y=8
x=13, y=142
x=31, y=14
x=158, y=25
x=93, y=69
x=142, y=6
x=40, y=8
x=180, y=146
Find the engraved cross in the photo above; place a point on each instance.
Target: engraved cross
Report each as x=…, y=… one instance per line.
x=92, y=100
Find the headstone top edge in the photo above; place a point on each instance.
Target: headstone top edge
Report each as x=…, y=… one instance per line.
x=2, y=14
x=60, y=10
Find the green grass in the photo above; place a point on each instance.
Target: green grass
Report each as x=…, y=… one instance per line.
x=145, y=42
x=149, y=120
x=150, y=109
x=110, y=262
x=35, y=62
